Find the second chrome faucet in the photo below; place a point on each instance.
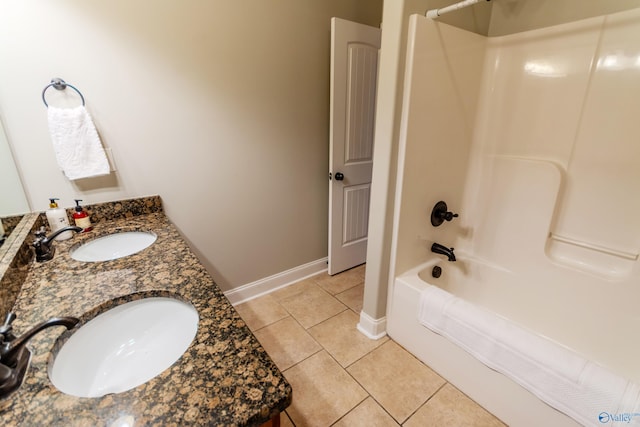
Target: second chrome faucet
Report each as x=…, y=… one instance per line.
x=44, y=244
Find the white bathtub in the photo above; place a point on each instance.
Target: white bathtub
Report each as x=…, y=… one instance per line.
x=491, y=290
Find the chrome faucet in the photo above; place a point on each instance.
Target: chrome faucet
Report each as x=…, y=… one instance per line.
x=443, y=250
x=14, y=354
x=44, y=244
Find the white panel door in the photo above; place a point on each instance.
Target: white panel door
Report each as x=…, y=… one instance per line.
x=354, y=70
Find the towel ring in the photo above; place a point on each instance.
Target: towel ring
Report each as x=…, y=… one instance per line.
x=59, y=84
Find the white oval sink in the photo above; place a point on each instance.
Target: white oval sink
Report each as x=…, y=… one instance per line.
x=113, y=246
x=124, y=347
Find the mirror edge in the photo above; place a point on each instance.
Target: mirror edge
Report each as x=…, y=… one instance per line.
x=12, y=245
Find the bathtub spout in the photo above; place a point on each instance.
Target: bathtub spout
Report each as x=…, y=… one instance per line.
x=443, y=250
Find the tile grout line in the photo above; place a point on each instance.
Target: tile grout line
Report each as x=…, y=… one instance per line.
x=323, y=290
x=365, y=389
x=426, y=401
x=310, y=336
x=373, y=398
x=351, y=410
x=357, y=382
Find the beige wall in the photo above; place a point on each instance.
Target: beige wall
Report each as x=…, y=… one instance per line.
x=221, y=107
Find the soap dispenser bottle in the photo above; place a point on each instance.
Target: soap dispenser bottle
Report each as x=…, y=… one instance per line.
x=82, y=218
x=58, y=219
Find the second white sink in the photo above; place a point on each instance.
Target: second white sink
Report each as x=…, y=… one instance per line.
x=113, y=246
x=124, y=347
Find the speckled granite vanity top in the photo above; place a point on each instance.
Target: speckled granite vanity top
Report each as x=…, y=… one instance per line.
x=224, y=378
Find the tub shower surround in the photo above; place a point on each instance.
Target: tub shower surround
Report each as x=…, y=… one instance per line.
x=224, y=378
x=535, y=134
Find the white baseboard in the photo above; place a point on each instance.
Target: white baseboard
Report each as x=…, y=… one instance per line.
x=372, y=328
x=280, y=280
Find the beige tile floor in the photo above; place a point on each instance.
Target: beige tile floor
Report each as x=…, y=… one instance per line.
x=340, y=377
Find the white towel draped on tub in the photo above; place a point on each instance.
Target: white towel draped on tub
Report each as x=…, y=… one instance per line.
x=76, y=143
x=565, y=380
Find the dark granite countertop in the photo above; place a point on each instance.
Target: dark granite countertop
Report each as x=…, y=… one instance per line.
x=224, y=378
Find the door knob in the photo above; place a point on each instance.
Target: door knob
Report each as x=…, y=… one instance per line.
x=339, y=176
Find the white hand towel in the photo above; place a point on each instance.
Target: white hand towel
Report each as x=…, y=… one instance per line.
x=76, y=143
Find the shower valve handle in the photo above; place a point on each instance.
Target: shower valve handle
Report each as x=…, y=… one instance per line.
x=440, y=214
x=448, y=216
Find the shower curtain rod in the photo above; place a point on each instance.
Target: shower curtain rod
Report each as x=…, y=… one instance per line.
x=434, y=13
